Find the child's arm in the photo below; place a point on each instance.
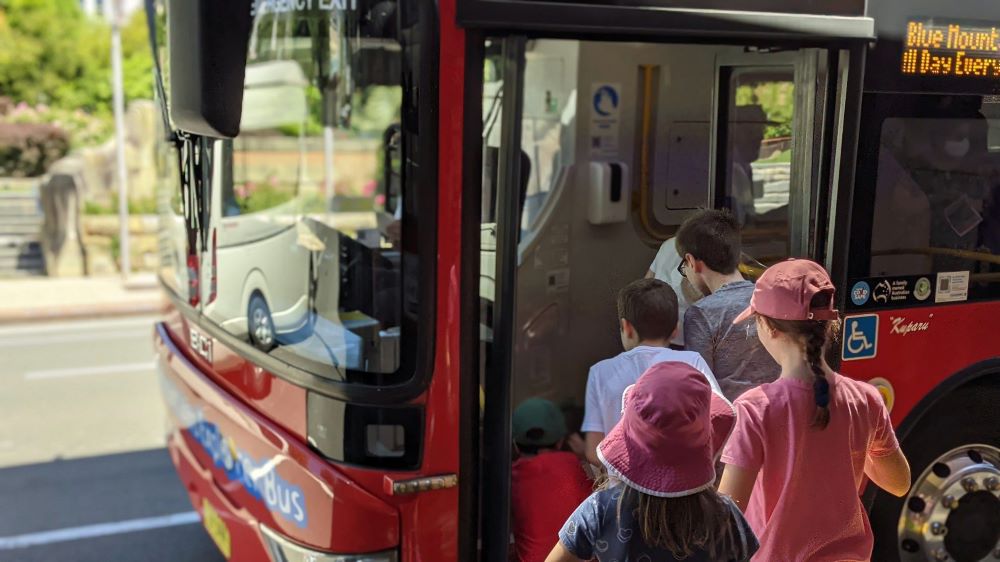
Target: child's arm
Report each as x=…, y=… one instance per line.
x=561, y=554
x=737, y=483
x=885, y=463
x=593, y=419
x=890, y=472
x=576, y=444
x=593, y=439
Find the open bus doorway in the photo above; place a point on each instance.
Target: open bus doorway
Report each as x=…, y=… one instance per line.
x=611, y=157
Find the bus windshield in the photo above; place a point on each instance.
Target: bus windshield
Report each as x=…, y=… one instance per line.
x=307, y=256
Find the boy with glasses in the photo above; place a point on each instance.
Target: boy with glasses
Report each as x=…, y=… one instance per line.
x=710, y=246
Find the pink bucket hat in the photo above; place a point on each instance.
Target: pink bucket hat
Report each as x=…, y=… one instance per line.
x=785, y=292
x=672, y=431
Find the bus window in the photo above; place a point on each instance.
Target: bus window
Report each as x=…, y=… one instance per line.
x=758, y=157
x=937, y=194
x=305, y=258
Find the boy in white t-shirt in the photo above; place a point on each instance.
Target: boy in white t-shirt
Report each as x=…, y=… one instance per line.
x=647, y=312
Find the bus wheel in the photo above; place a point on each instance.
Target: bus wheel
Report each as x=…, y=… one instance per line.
x=261, y=326
x=953, y=509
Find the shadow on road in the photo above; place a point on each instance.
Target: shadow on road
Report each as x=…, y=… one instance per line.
x=75, y=493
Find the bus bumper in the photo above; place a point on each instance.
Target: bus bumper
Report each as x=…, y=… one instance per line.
x=263, y=495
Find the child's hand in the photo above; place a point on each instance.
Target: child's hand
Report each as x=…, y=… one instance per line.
x=577, y=445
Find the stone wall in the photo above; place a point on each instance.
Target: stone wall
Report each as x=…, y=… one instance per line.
x=101, y=238
x=98, y=163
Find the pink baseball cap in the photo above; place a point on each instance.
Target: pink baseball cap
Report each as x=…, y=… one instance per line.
x=672, y=431
x=785, y=292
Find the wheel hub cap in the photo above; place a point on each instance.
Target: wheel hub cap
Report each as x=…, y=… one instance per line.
x=953, y=510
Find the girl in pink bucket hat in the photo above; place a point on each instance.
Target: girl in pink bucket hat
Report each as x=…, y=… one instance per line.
x=804, y=443
x=658, y=501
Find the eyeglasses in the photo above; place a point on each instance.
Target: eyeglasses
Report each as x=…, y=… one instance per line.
x=682, y=267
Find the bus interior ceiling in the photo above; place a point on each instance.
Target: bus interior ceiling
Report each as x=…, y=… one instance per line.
x=576, y=252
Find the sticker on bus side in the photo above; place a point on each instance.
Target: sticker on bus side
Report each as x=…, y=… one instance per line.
x=891, y=292
x=860, y=337
x=952, y=287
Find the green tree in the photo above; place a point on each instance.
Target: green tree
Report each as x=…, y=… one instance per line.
x=137, y=63
x=51, y=53
x=776, y=99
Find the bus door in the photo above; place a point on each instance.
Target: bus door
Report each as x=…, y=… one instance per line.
x=768, y=113
x=594, y=152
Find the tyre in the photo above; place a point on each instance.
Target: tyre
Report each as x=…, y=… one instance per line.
x=953, y=509
x=260, y=324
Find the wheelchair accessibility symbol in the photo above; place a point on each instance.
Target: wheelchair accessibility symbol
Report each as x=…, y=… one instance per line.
x=860, y=337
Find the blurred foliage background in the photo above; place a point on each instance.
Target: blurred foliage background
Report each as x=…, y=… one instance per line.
x=55, y=67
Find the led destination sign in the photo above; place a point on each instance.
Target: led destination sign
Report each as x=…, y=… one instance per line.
x=933, y=48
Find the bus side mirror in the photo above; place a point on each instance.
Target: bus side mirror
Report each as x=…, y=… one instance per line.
x=207, y=63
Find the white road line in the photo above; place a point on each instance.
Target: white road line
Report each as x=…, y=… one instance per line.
x=74, y=326
x=100, y=530
x=86, y=371
x=80, y=337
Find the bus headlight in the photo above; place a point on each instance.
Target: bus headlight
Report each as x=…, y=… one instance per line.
x=283, y=550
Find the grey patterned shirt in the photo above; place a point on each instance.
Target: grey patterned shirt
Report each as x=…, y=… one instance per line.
x=594, y=531
x=734, y=353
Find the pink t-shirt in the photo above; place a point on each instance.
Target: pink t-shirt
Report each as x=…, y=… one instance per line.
x=806, y=501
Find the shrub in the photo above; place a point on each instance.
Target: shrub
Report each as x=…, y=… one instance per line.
x=83, y=129
x=28, y=149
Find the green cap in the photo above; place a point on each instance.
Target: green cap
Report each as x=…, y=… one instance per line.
x=538, y=422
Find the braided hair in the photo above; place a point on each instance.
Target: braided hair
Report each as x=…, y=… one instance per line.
x=814, y=333
x=815, y=336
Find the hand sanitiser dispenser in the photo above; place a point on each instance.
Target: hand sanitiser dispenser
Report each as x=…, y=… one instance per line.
x=609, y=193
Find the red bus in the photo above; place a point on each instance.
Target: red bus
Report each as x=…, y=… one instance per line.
x=388, y=222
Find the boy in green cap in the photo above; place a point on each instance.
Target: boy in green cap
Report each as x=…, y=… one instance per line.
x=547, y=483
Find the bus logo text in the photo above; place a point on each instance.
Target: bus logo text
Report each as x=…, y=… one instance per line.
x=258, y=477
x=201, y=344
x=904, y=327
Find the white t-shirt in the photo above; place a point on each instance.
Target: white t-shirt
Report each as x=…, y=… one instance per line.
x=664, y=268
x=609, y=378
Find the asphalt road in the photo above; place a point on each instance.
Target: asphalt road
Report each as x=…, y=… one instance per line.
x=84, y=476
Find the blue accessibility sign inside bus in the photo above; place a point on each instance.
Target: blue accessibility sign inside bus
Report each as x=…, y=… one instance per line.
x=860, y=337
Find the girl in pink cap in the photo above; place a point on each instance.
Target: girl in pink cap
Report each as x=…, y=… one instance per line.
x=659, y=501
x=802, y=446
